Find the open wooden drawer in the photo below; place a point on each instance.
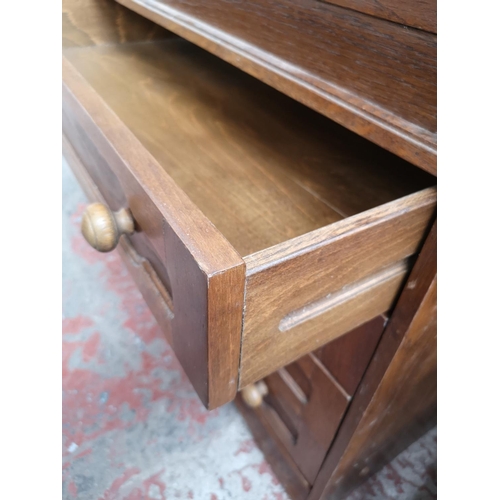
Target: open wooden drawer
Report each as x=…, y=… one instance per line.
x=267, y=229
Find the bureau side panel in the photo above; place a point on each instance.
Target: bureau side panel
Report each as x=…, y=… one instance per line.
x=396, y=400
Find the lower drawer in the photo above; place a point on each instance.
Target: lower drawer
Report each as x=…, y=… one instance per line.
x=268, y=229
x=303, y=404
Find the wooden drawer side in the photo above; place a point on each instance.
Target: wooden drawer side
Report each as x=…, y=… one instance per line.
x=302, y=294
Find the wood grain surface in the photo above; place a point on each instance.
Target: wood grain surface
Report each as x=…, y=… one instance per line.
x=214, y=164
x=347, y=357
x=312, y=423
x=306, y=401
x=336, y=259
x=260, y=166
x=373, y=76
x=206, y=274
x=421, y=14
x=396, y=401
x=150, y=285
x=97, y=22
x=403, y=407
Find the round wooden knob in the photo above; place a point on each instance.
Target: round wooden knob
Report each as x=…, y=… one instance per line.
x=102, y=228
x=253, y=394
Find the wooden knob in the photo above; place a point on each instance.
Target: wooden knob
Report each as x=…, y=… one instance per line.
x=102, y=228
x=253, y=394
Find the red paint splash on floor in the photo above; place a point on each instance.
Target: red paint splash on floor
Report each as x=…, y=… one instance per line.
x=112, y=491
x=76, y=324
x=246, y=446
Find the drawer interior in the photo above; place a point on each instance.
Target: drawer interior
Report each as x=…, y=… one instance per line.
x=269, y=229
x=261, y=167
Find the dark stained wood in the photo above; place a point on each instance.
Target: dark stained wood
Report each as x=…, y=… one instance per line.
x=305, y=402
x=98, y=22
x=352, y=266
x=375, y=77
x=110, y=190
x=403, y=407
x=291, y=397
x=214, y=164
x=347, y=357
x=274, y=451
x=309, y=402
x=150, y=285
x=321, y=417
x=301, y=376
x=260, y=166
x=206, y=274
x=395, y=402
x=421, y=14
x=305, y=428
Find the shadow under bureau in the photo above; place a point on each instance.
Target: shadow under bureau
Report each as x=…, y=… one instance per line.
x=260, y=232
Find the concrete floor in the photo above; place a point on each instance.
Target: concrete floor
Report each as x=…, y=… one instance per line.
x=133, y=427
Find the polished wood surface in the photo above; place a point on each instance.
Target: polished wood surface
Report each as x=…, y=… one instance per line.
x=421, y=14
x=396, y=401
x=373, y=76
x=352, y=268
x=206, y=275
x=242, y=157
x=260, y=166
x=102, y=227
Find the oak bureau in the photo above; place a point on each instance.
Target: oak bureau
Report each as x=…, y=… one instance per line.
x=267, y=171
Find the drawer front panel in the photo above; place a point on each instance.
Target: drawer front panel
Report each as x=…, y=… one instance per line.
x=110, y=190
x=145, y=275
x=306, y=400
x=204, y=274
x=305, y=427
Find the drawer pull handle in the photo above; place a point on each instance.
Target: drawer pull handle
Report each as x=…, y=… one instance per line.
x=102, y=228
x=253, y=394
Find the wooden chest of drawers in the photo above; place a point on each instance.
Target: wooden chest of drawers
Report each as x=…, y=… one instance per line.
x=269, y=242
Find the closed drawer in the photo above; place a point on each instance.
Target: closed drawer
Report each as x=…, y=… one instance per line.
x=302, y=404
x=270, y=229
